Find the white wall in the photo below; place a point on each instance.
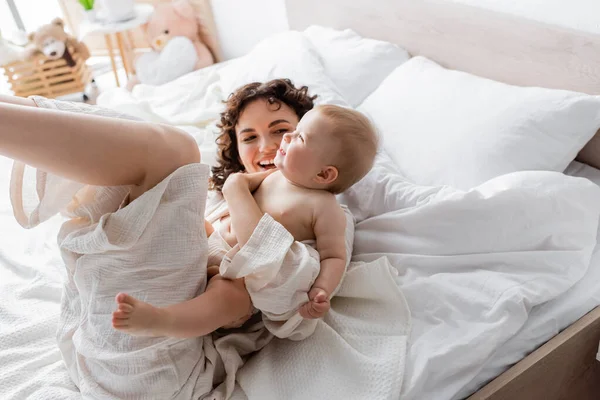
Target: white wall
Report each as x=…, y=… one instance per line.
x=34, y=13
x=582, y=15
x=7, y=25
x=243, y=23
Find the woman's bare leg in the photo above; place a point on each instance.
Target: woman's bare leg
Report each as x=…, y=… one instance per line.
x=223, y=303
x=92, y=149
x=20, y=101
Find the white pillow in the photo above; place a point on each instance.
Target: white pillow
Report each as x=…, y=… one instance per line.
x=284, y=55
x=355, y=64
x=444, y=127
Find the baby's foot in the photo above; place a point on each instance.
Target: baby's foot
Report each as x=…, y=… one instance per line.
x=137, y=318
x=317, y=306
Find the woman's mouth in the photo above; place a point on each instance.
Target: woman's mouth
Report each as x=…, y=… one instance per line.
x=267, y=164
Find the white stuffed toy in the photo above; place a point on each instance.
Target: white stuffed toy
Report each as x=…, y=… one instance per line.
x=177, y=58
x=174, y=33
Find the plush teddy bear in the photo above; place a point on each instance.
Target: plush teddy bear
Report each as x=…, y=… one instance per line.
x=52, y=41
x=174, y=34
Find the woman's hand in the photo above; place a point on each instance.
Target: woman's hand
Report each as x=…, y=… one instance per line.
x=245, y=181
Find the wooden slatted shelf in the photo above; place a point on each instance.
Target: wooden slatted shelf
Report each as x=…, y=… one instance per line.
x=49, y=78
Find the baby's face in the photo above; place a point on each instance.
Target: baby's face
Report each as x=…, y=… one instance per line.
x=304, y=153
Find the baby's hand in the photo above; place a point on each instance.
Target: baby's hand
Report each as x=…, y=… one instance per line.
x=317, y=306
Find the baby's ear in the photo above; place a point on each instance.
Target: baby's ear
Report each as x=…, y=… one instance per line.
x=327, y=176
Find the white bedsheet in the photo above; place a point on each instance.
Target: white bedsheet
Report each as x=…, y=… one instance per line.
x=31, y=273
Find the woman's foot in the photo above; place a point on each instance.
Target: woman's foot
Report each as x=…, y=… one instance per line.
x=138, y=318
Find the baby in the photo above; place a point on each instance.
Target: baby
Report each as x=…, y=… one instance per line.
x=332, y=148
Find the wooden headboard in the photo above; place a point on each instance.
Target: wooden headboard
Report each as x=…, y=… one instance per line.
x=494, y=45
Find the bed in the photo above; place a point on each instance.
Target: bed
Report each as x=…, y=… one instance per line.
x=487, y=44
x=521, y=52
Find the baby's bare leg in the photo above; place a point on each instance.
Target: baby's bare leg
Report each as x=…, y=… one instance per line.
x=224, y=302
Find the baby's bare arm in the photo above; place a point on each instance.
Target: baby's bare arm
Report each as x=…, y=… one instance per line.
x=330, y=232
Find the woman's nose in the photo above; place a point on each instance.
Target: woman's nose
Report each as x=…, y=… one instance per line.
x=287, y=137
x=269, y=145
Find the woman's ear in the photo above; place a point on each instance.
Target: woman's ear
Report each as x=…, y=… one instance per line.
x=327, y=175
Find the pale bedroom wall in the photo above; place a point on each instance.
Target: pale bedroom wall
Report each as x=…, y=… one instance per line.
x=582, y=15
x=243, y=23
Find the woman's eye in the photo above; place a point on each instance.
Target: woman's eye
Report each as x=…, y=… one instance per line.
x=248, y=139
x=282, y=131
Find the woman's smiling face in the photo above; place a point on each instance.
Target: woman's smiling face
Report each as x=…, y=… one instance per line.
x=259, y=132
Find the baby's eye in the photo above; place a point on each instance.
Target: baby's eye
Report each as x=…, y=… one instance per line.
x=166, y=31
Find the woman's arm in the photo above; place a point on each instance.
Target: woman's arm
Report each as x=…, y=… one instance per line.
x=92, y=149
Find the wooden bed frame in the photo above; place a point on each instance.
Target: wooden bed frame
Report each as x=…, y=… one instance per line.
x=512, y=50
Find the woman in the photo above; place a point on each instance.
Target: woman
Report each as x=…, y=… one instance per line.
x=126, y=160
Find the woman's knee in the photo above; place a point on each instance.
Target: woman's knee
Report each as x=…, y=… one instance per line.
x=171, y=149
x=184, y=147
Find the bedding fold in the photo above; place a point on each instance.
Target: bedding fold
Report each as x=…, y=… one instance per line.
x=472, y=264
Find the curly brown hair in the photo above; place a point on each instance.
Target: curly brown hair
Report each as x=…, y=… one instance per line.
x=276, y=91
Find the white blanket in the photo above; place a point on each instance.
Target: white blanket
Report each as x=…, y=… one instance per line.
x=473, y=264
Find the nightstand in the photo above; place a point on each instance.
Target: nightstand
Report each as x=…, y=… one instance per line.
x=122, y=32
